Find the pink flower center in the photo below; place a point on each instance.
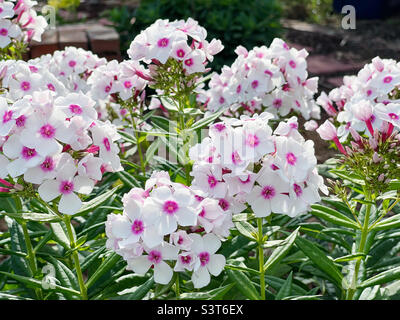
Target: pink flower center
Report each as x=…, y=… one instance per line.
x=155, y=256
x=387, y=79
x=277, y=103
x=66, y=187
x=293, y=125
x=47, y=131
x=107, y=89
x=393, y=116
x=268, y=73
x=252, y=140
x=292, y=64
x=236, y=157
x=51, y=87
x=163, y=42
x=186, y=259
x=28, y=153
x=268, y=192
x=72, y=63
x=189, y=62
x=180, y=240
x=20, y=121
x=170, y=207
x=25, y=85
x=128, y=84
x=106, y=144
x=212, y=181
x=220, y=126
x=7, y=116
x=204, y=258
x=3, y=32
x=254, y=84
x=180, y=53
x=223, y=204
x=202, y=213
x=47, y=165
x=297, y=190
x=74, y=108
x=137, y=227
x=221, y=100
x=238, y=89
x=291, y=158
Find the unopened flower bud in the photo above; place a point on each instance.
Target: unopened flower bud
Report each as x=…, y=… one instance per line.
x=381, y=177
x=355, y=134
x=376, y=158
x=373, y=143
x=18, y=187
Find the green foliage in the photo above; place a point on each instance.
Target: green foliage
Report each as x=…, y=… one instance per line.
x=314, y=11
x=232, y=21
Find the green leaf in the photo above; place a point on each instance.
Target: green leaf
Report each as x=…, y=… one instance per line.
x=66, y=277
x=215, y=294
x=60, y=234
x=246, y=229
x=128, y=179
x=127, y=137
x=163, y=123
x=32, y=216
x=350, y=257
x=333, y=216
x=243, y=284
x=91, y=258
x=277, y=283
x=320, y=259
x=30, y=282
x=381, y=278
x=96, y=202
x=106, y=266
x=139, y=293
x=279, y=253
x=286, y=289
x=206, y=121
x=152, y=150
x=19, y=264
x=352, y=177
x=389, y=223
x=233, y=267
x=122, y=283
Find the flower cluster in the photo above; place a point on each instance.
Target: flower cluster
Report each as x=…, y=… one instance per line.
x=124, y=79
x=161, y=223
x=244, y=162
x=63, y=72
x=20, y=21
x=367, y=102
x=274, y=78
x=183, y=41
x=56, y=144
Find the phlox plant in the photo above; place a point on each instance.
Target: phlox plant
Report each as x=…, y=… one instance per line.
x=153, y=178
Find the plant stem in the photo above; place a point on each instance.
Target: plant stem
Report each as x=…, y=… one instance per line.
x=361, y=249
x=138, y=143
x=261, y=257
x=177, y=288
x=75, y=257
x=31, y=257
x=29, y=248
